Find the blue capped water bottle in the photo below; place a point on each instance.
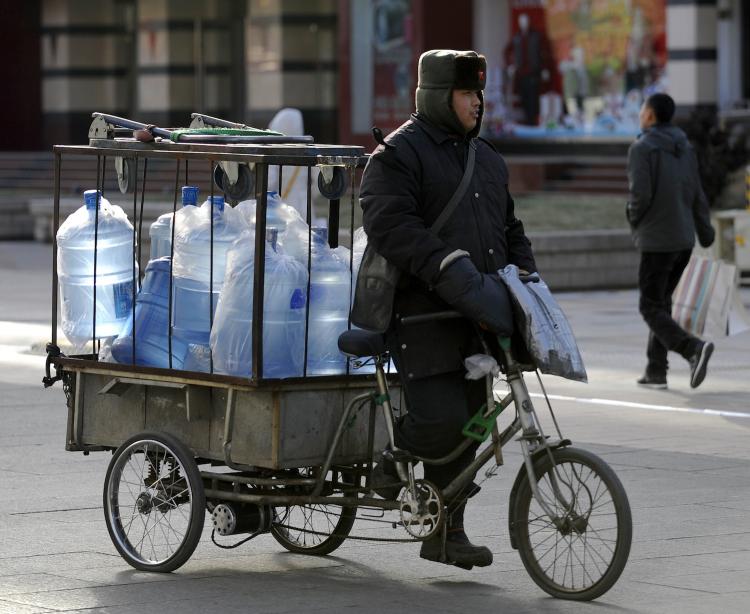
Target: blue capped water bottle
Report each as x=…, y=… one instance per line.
x=197, y=284
x=151, y=323
x=329, y=308
x=283, y=314
x=96, y=230
x=161, y=230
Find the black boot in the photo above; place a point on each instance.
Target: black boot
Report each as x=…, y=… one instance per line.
x=459, y=551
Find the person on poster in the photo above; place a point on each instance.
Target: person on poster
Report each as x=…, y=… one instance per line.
x=526, y=58
x=407, y=182
x=667, y=208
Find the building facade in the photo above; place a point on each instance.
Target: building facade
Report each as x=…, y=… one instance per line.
x=556, y=68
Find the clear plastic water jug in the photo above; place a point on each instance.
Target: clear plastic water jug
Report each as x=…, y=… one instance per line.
x=285, y=289
x=197, y=284
x=278, y=213
x=112, y=234
x=161, y=230
x=151, y=323
x=329, y=308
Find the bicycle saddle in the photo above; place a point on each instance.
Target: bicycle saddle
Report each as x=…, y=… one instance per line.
x=359, y=343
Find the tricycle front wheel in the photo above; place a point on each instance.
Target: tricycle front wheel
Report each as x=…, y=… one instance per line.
x=579, y=553
x=154, y=503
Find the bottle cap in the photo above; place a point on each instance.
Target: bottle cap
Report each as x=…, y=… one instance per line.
x=272, y=198
x=89, y=197
x=320, y=234
x=218, y=202
x=190, y=195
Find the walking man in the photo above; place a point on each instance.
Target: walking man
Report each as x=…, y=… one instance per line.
x=406, y=185
x=667, y=208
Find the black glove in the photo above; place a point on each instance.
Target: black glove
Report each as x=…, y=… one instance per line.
x=478, y=296
x=706, y=238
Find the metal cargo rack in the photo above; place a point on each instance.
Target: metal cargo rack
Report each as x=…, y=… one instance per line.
x=236, y=421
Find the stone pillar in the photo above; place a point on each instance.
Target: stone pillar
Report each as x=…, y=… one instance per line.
x=691, y=46
x=85, y=65
x=291, y=62
x=185, y=60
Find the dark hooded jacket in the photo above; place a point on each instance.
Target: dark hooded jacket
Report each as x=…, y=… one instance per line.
x=405, y=186
x=667, y=206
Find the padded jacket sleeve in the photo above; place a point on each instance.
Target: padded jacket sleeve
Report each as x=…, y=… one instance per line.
x=701, y=212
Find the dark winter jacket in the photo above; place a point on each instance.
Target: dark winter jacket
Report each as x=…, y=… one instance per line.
x=404, y=188
x=667, y=206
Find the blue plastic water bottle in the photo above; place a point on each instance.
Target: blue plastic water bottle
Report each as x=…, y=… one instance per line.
x=76, y=239
x=196, y=293
x=151, y=323
x=161, y=230
x=329, y=308
x=283, y=314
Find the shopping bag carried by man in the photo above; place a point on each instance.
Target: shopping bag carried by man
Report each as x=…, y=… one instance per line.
x=704, y=298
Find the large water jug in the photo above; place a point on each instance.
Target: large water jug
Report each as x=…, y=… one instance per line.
x=112, y=233
x=151, y=323
x=161, y=230
x=196, y=284
x=285, y=289
x=278, y=213
x=329, y=308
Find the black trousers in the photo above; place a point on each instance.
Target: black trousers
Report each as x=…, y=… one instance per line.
x=438, y=408
x=658, y=276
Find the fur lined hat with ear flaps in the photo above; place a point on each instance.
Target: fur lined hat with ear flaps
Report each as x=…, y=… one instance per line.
x=440, y=72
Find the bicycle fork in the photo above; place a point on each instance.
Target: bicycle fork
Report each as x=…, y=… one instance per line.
x=532, y=439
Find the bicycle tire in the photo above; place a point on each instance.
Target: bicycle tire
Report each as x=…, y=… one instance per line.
x=321, y=529
x=575, y=527
x=150, y=491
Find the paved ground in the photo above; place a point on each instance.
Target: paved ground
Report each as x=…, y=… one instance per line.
x=682, y=455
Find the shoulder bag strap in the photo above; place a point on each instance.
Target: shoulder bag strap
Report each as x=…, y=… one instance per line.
x=460, y=190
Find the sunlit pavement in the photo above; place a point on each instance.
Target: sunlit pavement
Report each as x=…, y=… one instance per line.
x=682, y=454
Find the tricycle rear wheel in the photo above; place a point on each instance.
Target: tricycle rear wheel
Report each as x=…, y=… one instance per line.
x=316, y=529
x=154, y=503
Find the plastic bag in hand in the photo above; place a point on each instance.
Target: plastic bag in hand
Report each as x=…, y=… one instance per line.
x=543, y=326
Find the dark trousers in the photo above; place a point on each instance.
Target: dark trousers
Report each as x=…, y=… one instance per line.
x=658, y=276
x=438, y=408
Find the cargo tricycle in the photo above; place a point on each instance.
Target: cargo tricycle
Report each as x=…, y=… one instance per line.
x=293, y=456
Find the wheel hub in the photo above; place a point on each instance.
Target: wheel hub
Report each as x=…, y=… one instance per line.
x=572, y=524
x=144, y=503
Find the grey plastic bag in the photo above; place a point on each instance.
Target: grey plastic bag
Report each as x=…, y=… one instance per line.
x=543, y=326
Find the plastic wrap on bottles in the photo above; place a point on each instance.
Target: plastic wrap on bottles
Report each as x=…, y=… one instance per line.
x=278, y=213
x=295, y=239
x=195, y=292
x=285, y=289
x=329, y=308
x=160, y=231
x=543, y=326
x=113, y=235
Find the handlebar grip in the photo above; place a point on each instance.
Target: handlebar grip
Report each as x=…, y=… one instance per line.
x=430, y=317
